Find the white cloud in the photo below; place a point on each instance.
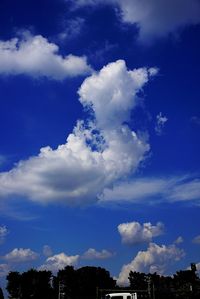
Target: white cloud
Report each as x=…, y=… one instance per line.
x=171, y=189
x=37, y=57
x=73, y=28
x=96, y=154
x=3, y=232
x=92, y=253
x=20, y=255
x=195, y=120
x=4, y=269
x=196, y=240
x=154, y=18
x=179, y=240
x=198, y=267
x=47, y=251
x=2, y=160
x=59, y=261
x=134, y=233
x=155, y=259
x=186, y=191
x=114, y=88
x=160, y=123
x=158, y=18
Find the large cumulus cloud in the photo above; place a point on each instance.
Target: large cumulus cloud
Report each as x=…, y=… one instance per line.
x=98, y=152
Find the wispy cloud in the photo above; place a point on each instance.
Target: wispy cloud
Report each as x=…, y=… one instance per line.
x=135, y=233
x=47, y=251
x=154, y=19
x=35, y=56
x=3, y=232
x=73, y=28
x=160, y=123
x=179, y=240
x=196, y=240
x=4, y=269
x=195, y=120
x=154, y=190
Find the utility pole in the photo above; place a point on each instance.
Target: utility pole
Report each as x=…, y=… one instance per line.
x=61, y=292
x=149, y=286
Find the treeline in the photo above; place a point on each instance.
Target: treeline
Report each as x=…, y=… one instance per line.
x=185, y=284
x=89, y=282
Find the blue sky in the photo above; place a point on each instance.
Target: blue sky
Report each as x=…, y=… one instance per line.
x=100, y=127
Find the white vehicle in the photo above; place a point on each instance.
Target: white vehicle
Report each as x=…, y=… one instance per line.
x=121, y=296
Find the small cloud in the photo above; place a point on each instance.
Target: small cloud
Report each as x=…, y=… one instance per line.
x=160, y=123
x=3, y=232
x=73, y=28
x=92, y=253
x=196, y=240
x=2, y=159
x=20, y=255
x=195, y=120
x=134, y=233
x=47, y=251
x=59, y=261
x=179, y=240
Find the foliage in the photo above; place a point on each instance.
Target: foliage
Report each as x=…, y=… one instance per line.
x=31, y=284
x=80, y=283
x=183, y=285
x=1, y=294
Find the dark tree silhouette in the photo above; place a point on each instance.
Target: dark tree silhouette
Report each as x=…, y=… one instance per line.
x=32, y=284
x=83, y=282
x=14, y=284
x=66, y=282
x=1, y=294
x=187, y=283
x=138, y=281
x=91, y=278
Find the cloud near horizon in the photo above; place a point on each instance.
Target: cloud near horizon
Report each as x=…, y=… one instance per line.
x=153, y=18
x=20, y=255
x=156, y=258
x=35, y=56
x=59, y=262
x=92, y=253
x=97, y=153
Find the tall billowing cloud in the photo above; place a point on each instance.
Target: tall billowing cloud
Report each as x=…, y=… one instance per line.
x=97, y=153
x=155, y=259
x=37, y=57
x=134, y=233
x=154, y=18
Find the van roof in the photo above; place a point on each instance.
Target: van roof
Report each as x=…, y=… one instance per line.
x=118, y=294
